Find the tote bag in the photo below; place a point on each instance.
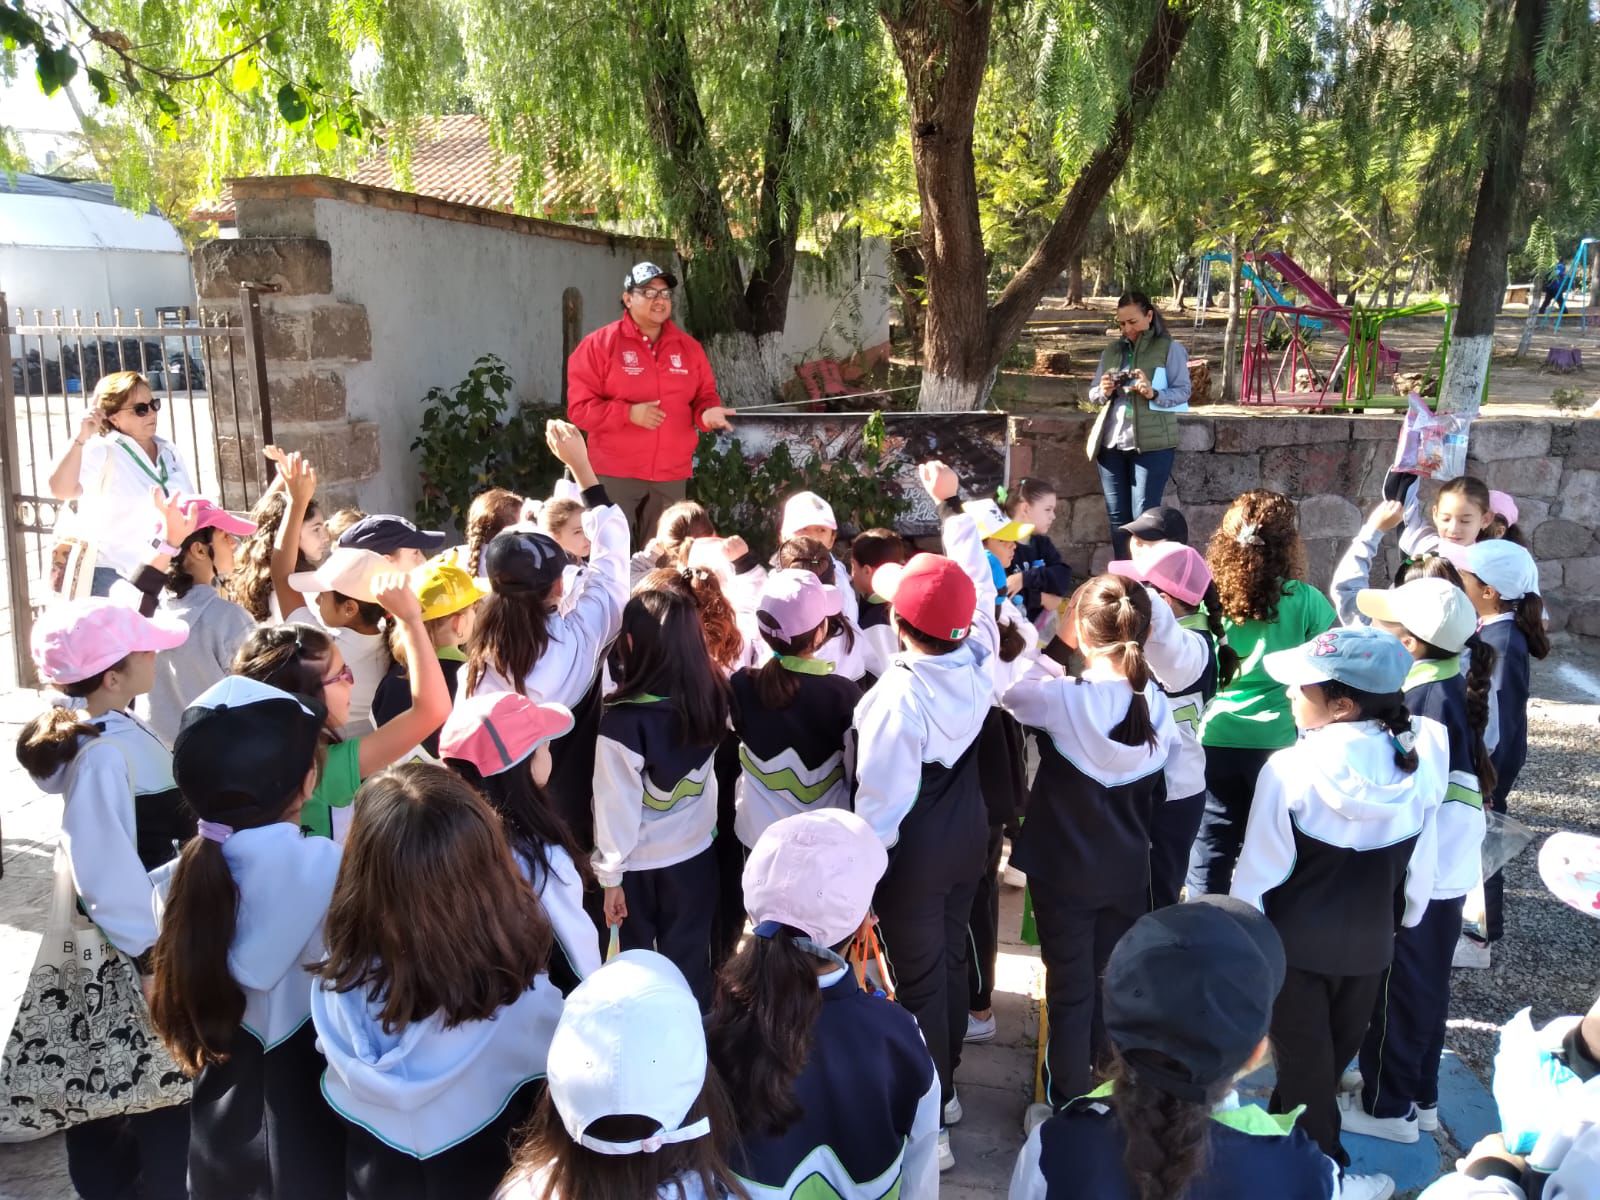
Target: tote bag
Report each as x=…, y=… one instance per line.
x=83, y=1046
x=74, y=555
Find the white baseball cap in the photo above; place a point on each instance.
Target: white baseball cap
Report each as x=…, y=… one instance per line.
x=803, y=509
x=629, y=1043
x=348, y=571
x=1435, y=610
x=815, y=871
x=1505, y=566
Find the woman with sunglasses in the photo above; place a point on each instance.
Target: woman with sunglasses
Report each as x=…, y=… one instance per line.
x=642, y=389
x=305, y=660
x=110, y=467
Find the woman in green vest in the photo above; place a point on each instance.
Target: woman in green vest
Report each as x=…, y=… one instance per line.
x=1144, y=381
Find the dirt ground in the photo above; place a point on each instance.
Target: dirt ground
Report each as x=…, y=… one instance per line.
x=1519, y=388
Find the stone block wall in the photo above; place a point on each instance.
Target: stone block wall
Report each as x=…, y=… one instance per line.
x=311, y=337
x=1333, y=466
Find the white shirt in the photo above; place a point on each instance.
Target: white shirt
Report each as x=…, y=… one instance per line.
x=116, y=477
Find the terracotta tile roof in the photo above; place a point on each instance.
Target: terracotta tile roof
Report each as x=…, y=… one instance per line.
x=453, y=159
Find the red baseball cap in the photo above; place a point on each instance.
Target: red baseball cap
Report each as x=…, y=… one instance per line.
x=931, y=593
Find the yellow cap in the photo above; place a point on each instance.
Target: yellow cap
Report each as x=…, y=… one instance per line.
x=444, y=588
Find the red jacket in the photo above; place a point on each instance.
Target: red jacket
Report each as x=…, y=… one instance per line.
x=615, y=367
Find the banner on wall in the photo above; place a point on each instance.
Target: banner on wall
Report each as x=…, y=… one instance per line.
x=976, y=445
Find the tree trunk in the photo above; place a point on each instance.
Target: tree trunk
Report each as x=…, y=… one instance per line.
x=910, y=283
x=1230, y=333
x=778, y=217
x=713, y=282
x=1075, y=281
x=944, y=51
x=746, y=367
x=1484, y=273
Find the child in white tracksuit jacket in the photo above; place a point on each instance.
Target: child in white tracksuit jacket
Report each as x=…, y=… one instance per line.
x=1339, y=853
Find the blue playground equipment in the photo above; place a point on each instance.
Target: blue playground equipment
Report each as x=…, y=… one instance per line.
x=1247, y=271
x=1579, y=278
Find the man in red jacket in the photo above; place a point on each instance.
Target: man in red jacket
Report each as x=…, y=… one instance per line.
x=642, y=389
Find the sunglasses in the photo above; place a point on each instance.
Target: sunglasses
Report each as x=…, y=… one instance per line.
x=143, y=409
x=343, y=675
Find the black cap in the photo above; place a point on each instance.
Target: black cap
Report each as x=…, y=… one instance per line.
x=643, y=273
x=1162, y=524
x=244, y=749
x=1196, y=983
x=523, y=560
x=384, y=534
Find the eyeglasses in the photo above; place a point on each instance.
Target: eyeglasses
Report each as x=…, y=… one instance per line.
x=654, y=294
x=143, y=409
x=343, y=675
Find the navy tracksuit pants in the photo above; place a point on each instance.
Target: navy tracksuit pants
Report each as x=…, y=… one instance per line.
x=1400, y=1054
x=1172, y=835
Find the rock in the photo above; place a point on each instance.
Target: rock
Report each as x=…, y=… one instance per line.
x=1237, y=435
x=1195, y=436
x=1216, y=477
x=1052, y=362
x=1580, y=497
x=1580, y=575
x=1561, y=539
x=1203, y=521
x=1523, y=476
x=1328, y=516
x=1339, y=468
x=1089, y=523
x=1491, y=441
x=1551, y=576
x=1583, y=617
x=1199, y=381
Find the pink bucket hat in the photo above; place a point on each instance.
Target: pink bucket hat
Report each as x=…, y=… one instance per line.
x=496, y=731
x=795, y=602
x=77, y=640
x=213, y=516
x=815, y=872
x=1171, y=567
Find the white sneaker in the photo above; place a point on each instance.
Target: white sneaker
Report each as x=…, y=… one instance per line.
x=980, y=1031
x=1428, y=1118
x=1351, y=1080
x=1012, y=877
x=952, y=1111
x=947, y=1156
x=1036, y=1116
x=1355, y=1119
x=1470, y=953
x=1366, y=1187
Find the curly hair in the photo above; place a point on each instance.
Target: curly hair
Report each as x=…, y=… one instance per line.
x=1254, y=552
x=250, y=585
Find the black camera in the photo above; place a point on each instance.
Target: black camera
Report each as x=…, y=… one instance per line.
x=1120, y=381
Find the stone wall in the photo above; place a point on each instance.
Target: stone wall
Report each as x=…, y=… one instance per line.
x=1334, y=467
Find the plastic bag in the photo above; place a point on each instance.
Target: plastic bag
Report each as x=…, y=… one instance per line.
x=1432, y=444
x=1503, y=839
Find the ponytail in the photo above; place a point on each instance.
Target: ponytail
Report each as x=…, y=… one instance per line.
x=1012, y=643
x=1480, y=668
x=1529, y=618
x=776, y=685
x=1387, y=708
x=1135, y=728
x=1114, y=618
x=1227, y=657
x=196, y=1004
x=724, y=642
x=1165, y=1138
x=760, y=1029
x=50, y=741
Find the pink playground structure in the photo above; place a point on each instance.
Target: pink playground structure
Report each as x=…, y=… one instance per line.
x=1319, y=298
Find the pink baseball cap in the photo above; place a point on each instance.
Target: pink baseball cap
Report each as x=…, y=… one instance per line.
x=496, y=731
x=1171, y=567
x=816, y=872
x=213, y=516
x=1503, y=504
x=79, y=639
x=794, y=602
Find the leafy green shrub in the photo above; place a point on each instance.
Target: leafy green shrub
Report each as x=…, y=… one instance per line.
x=747, y=499
x=1566, y=399
x=468, y=444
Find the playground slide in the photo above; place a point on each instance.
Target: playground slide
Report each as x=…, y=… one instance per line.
x=1299, y=278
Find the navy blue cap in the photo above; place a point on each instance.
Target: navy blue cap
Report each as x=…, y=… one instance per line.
x=523, y=560
x=1189, y=992
x=243, y=750
x=384, y=534
x=1163, y=524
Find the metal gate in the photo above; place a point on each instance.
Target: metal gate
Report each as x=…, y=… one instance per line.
x=210, y=373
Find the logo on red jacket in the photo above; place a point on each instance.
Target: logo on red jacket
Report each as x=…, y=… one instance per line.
x=630, y=358
x=676, y=360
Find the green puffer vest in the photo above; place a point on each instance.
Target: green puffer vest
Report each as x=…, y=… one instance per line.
x=1153, y=429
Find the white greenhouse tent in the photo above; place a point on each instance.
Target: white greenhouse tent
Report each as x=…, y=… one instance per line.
x=66, y=246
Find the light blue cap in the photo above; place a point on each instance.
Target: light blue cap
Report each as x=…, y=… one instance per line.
x=1366, y=659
